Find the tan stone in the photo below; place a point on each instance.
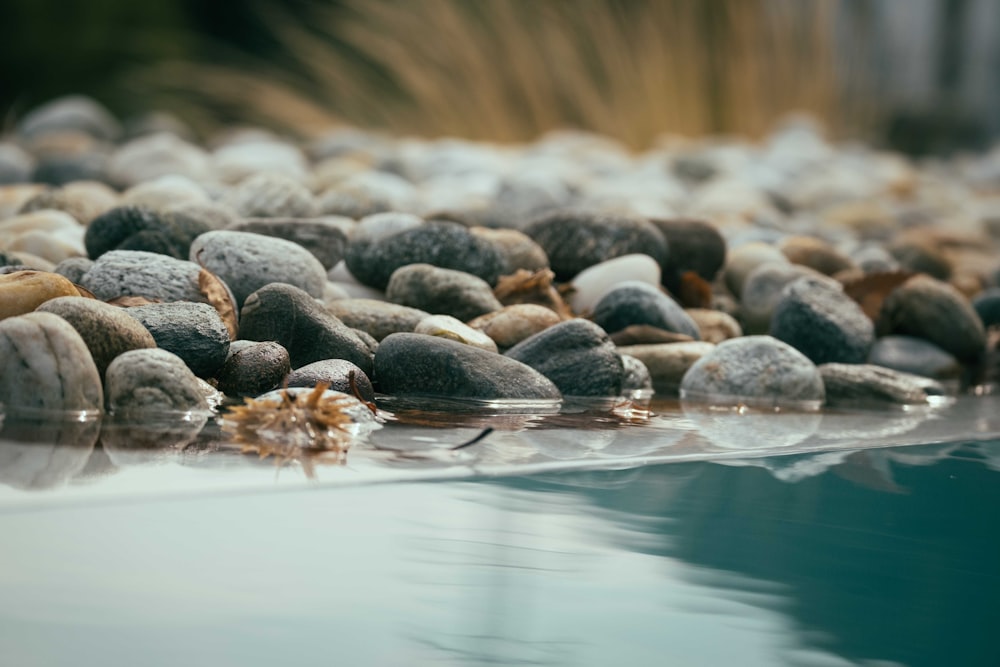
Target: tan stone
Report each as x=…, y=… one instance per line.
x=23, y=291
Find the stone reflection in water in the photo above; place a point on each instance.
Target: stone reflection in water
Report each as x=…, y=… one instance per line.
x=45, y=452
x=751, y=428
x=903, y=571
x=871, y=427
x=150, y=437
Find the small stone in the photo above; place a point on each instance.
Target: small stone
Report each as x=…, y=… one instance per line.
x=23, y=291
x=153, y=380
x=694, y=245
x=291, y=317
x=73, y=268
x=367, y=193
x=863, y=383
x=246, y=262
x=593, y=283
x=451, y=328
x=83, y=200
x=192, y=331
x=577, y=355
x=715, y=326
x=634, y=302
x=754, y=369
x=50, y=246
x=107, y=330
x=921, y=257
x=410, y=364
x=936, y=311
x=269, y=195
x=146, y=274
x=517, y=249
x=206, y=217
x=817, y=318
x=762, y=292
x=71, y=112
x=667, y=362
x=166, y=191
x=512, y=324
x=815, y=253
x=256, y=153
x=574, y=241
x=325, y=239
x=45, y=365
x=377, y=318
x=384, y=243
x=914, y=355
x=441, y=291
x=336, y=373
x=57, y=169
x=743, y=259
x=253, y=368
x=16, y=164
x=987, y=306
x=137, y=228
x=637, y=376
x=151, y=157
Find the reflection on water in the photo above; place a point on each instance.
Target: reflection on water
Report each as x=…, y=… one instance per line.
x=876, y=557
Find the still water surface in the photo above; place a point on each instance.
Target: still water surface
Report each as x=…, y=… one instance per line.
x=817, y=556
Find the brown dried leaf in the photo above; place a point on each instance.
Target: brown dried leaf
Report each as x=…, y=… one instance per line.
x=694, y=291
x=220, y=298
x=645, y=334
x=871, y=290
x=535, y=287
x=84, y=292
x=129, y=301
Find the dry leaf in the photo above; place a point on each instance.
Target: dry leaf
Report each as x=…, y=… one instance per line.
x=694, y=291
x=84, y=292
x=646, y=334
x=219, y=297
x=871, y=290
x=536, y=287
x=129, y=301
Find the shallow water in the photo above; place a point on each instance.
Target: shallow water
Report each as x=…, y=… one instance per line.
x=692, y=537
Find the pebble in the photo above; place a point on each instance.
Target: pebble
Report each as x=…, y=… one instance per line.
x=147, y=274
x=441, y=291
x=517, y=249
x=253, y=368
x=987, y=306
x=16, y=164
x=377, y=318
x=382, y=244
x=271, y=195
x=246, y=262
x=667, y=362
x=937, y=312
x=153, y=380
x=742, y=260
x=51, y=246
x=815, y=253
x=914, y=355
x=45, y=365
x=575, y=240
x=64, y=169
x=84, y=200
x=287, y=315
x=337, y=373
x=23, y=291
x=693, y=245
x=245, y=157
x=451, y=328
x=107, y=330
x=715, y=326
x=763, y=289
x=325, y=239
x=138, y=228
x=590, y=285
x=637, y=377
x=635, y=302
x=921, y=257
x=817, y=318
x=862, y=383
x=164, y=192
x=71, y=112
x=577, y=355
x=73, y=268
x=754, y=369
x=512, y=324
x=208, y=217
x=410, y=364
x=156, y=156
x=193, y=331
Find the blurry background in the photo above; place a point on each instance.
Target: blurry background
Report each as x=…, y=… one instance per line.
x=916, y=75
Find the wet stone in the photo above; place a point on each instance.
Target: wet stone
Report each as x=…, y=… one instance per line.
x=372, y=258
x=287, y=315
x=512, y=324
x=575, y=240
x=253, y=368
x=147, y=274
x=937, y=312
x=441, y=291
x=757, y=369
x=270, y=195
x=107, y=330
x=377, y=318
x=192, y=331
x=577, y=355
x=338, y=374
x=451, y=328
x=667, y=362
x=762, y=291
x=138, y=228
x=817, y=318
x=324, y=239
x=246, y=262
x=634, y=302
x=694, y=245
x=45, y=365
x=715, y=326
x=410, y=364
x=863, y=383
x=153, y=380
x=636, y=377
x=908, y=354
x=23, y=291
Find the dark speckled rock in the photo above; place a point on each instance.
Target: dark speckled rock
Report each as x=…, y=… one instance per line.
x=863, y=383
x=192, y=331
x=336, y=372
x=914, y=355
x=326, y=240
x=442, y=291
x=139, y=228
x=253, y=368
x=633, y=302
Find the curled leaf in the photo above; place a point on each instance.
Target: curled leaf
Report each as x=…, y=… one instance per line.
x=536, y=287
x=217, y=294
x=129, y=301
x=84, y=292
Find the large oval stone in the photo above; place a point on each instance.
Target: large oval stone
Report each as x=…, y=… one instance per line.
x=442, y=291
x=635, y=302
x=153, y=380
x=146, y=274
x=23, y=291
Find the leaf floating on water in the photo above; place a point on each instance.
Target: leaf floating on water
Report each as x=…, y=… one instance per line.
x=871, y=290
x=536, y=287
x=220, y=298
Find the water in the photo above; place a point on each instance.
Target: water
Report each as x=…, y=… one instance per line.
x=694, y=538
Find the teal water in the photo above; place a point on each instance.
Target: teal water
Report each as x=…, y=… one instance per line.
x=878, y=557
